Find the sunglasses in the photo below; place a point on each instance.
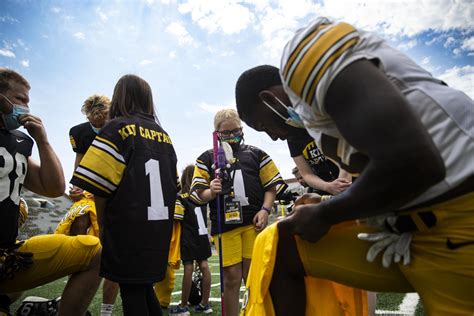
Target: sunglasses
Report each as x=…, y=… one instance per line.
x=235, y=132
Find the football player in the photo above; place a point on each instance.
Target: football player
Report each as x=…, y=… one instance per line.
x=411, y=138
x=45, y=258
x=131, y=170
x=246, y=192
x=82, y=218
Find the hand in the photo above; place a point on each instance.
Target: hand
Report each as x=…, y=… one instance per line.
x=337, y=186
x=75, y=193
x=395, y=247
x=260, y=220
x=12, y=261
x=307, y=222
x=34, y=126
x=308, y=198
x=215, y=186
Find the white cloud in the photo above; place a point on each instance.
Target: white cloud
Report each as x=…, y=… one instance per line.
x=102, y=15
x=226, y=16
x=145, y=62
x=408, y=45
x=425, y=61
x=468, y=44
x=172, y=54
x=461, y=78
x=432, y=41
x=55, y=9
x=152, y=2
x=7, y=53
x=8, y=19
x=398, y=18
x=449, y=42
x=25, y=63
x=211, y=108
x=79, y=35
x=179, y=31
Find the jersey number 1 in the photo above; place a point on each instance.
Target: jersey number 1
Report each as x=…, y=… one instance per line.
x=157, y=210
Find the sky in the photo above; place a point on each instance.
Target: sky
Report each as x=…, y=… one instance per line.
x=191, y=52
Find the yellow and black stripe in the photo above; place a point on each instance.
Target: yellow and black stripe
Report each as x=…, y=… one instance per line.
x=269, y=174
x=179, y=209
x=102, y=166
x=316, y=52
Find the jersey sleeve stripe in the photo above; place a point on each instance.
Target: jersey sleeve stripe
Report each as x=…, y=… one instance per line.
x=201, y=166
x=312, y=36
x=269, y=173
x=265, y=161
x=314, y=54
x=178, y=210
x=276, y=179
x=110, y=150
x=96, y=178
x=281, y=188
x=103, y=164
x=195, y=198
x=336, y=51
x=98, y=186
x=108, y=142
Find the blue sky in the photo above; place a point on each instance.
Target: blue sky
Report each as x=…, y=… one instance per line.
x=192, y=51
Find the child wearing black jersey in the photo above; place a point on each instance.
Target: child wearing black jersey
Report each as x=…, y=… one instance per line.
x=131, y=170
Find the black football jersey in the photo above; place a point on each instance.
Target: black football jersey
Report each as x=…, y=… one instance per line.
x=132, y=163
x=305, y=145
x=253, y=171
x=81, y=137
x=194, y=234
x=15, y=148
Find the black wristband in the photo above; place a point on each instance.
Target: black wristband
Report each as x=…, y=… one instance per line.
x=266, y=209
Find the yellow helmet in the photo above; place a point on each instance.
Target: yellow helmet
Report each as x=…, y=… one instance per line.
x=23, y=212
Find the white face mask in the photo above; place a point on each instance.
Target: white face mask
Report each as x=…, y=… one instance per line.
x=293, y=118
x=95, y=129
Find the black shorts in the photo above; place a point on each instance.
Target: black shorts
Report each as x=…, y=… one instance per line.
x=194, y=247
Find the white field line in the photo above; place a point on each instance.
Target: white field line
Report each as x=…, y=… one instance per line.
x=409, y=303
x=242, y=289
x=397, y=313
x=406, y=308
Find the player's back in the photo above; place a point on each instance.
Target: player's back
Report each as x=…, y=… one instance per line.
x=132, y=163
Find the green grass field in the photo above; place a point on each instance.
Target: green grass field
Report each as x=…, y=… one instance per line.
x=387, y=303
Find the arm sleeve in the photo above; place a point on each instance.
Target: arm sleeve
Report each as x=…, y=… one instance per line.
x=201, y=176
x=103, y=165
x=313, y=58
x=269, y=174
x=179, y=209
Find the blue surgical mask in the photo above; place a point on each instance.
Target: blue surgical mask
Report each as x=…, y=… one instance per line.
x=95, y=129
x=293, y=118
x=10, y=120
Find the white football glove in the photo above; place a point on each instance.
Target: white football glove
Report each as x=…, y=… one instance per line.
x=395, y=247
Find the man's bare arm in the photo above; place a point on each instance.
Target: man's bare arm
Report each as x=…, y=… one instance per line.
x=374, y=117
